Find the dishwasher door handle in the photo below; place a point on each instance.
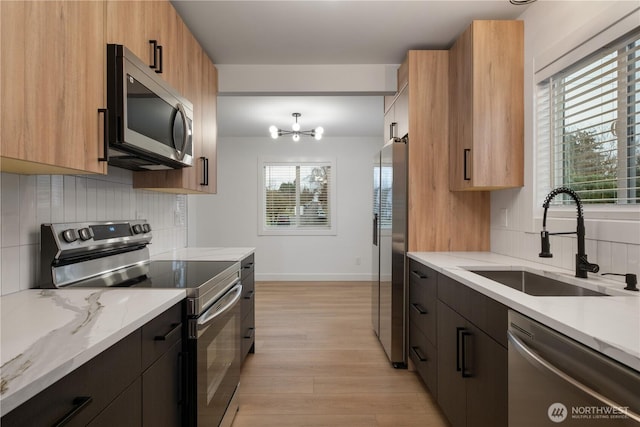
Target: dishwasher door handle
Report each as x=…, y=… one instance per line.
x=535, y=359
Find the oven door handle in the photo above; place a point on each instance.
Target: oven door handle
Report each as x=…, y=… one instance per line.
x=536, y=360
x=219, y=308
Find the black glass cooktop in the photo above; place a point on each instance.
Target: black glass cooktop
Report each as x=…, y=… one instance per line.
x=166, y=275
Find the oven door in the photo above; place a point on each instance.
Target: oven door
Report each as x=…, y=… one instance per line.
x=215, y=360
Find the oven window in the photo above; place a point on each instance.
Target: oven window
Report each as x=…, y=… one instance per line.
x=221, y=354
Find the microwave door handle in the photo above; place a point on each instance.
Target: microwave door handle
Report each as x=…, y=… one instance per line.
x=186, y=138
x=536, y=360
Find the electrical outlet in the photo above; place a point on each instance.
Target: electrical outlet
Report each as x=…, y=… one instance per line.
x=178, y=218
x=504, y=215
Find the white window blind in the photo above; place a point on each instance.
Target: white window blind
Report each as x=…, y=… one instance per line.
x=588, y=119
x=297, y=196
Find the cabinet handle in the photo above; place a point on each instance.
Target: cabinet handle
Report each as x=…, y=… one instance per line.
x=419, y=275
x=417, y=352
x=375, y=229
x=248, y=266
x=159, y=49
x=466, y=164
x=392, y=128
x=205, y=171
x=105, y=134
x=420, y=309
x=249, y=333
x=154, y=48
x=459, y=330
x=465, y=371
x=249, y=295
x=79, y=403
x=175, y=328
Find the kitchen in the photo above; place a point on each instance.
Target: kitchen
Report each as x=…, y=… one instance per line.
x=179, y=221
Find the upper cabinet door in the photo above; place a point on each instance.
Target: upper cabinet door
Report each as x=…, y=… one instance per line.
x=486, y=132
x=208, y=159
x=152, y=30
x=53, y=68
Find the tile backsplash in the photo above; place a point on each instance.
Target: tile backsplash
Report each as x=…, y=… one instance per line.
x=26, y=201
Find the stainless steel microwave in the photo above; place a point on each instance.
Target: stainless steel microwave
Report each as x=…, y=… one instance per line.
x=149, y=125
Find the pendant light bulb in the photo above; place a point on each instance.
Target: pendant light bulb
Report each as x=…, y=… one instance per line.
x=296, y=137
x=295, y=127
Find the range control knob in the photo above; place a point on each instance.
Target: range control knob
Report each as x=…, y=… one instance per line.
x=70, y=235
x=137, y=228
x=85, y=233
x=146, y=228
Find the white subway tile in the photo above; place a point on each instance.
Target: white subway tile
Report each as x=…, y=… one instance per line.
x=618, y=258
x=57, y=198
x=10, y=274
x=28, y=266
x=43, y=199
x=101, y=200
x=633, y=259
x=70, y=207
x=10, y=229
x=81, y=198
x=604, y=256
x=29, y=229
x=92, y=200
x=110, y=201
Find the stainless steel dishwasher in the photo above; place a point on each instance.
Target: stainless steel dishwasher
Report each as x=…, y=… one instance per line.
x=554, y=380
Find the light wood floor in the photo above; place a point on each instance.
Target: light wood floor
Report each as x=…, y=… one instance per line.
x=318, y=363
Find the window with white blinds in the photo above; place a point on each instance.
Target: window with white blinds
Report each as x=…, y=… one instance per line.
x=588, y=119
x=297, y=198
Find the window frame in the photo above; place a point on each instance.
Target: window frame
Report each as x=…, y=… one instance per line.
x=264, y=230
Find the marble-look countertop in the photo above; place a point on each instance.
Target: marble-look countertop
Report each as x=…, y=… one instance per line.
x=204, y=254
x=610, y=325
x=47, y=333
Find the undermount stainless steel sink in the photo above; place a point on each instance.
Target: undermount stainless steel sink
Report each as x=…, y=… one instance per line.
x=535, y=284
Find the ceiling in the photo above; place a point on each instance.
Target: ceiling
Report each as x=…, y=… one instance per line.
x=323, y=32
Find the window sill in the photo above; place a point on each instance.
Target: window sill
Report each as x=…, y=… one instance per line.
x=297, y=232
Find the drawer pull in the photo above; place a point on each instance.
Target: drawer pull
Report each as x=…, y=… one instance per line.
x=419, y=275
x=420, y=309
x=79, y=403
x=248, y=266
x=418, y=353
x=175, y=328
x=249, y=295
x=249, y=333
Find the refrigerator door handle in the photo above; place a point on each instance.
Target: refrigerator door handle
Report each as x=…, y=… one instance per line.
x=375, y=229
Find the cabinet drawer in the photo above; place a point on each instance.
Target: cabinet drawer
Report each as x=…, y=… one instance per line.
x=247, y=266
x=248, y=296
x=422, y=298
x=160, y=334
x=101, y=379
x=424, y=356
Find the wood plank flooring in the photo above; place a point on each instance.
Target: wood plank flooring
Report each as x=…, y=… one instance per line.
x=318, y=363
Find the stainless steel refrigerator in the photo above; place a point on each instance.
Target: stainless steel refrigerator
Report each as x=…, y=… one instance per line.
x=389, y=249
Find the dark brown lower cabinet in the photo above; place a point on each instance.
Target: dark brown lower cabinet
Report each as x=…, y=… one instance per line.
x=247, y=307
x=135, y=382
x=472, y=373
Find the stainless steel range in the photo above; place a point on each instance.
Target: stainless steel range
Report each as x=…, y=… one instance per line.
x=115, y=254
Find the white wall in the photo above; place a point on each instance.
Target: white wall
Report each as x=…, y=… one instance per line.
x=26, y=201
x=230, y=218
x=551, y=30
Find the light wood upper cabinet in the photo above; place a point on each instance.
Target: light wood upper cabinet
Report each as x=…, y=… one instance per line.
x=209, y=128
x=135, y=23
x=438, y=219
x=52, y=84
x=486, y=72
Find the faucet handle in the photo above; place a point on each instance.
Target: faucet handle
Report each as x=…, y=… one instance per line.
x=630, y=279
x=546, y=246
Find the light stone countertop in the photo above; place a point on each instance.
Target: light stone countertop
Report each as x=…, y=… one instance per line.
x=47, y=333
x=204, y=254
x=610, y=325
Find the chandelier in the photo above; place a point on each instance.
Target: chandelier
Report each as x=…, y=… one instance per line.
x=296, y=132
